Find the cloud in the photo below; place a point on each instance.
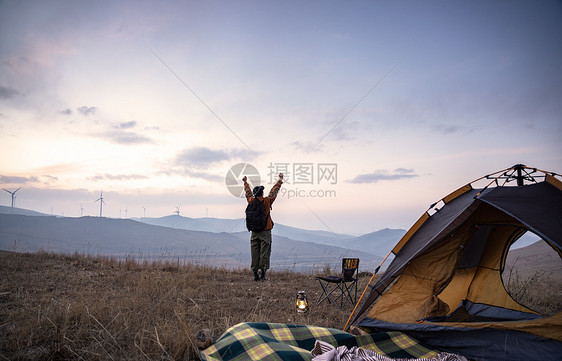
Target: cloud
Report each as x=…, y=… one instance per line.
x=403, y=171
x=447, y=128
x=86, y=111
x=204, y=175
x=118, y=177
x=118, y=133
x=307, y=146
x=126, y=138
x=66, y=112
x=154, y=127
x=194, y=162
x=49, y=178
x=18, y=180
x=201, y=157
x=347, y=132
x=45, y=179
x=8, y=93
x=192, y=174
x=126, y=125
x=383, y=174
x=243, y=154
x=338, y=133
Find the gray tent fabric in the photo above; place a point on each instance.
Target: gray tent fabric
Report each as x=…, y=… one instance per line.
x=440, y=224
x=538, y=206
x=533, y=205
x=476, y=247
x=482, y=312
x=476, y=344
x=477, y=330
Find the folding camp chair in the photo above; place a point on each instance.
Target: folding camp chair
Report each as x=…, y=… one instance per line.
x=342, y=288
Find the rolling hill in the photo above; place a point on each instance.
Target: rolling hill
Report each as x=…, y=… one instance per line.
x=224, y=242
x=378, y=243
x=20, y=211
x=537, y=260
x=129, y=238
x=238, y=225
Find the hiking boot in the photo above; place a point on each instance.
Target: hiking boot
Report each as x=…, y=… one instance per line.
x=256, y=276
x=263, y=275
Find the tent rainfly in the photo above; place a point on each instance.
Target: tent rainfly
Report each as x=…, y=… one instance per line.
x=444, y=285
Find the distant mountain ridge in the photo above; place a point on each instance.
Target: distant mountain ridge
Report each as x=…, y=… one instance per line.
x=129, y=238
x=378, y=243
x=223, y=242
x=232, y=225
x=20, y=211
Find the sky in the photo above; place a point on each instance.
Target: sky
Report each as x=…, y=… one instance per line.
x=373, y=110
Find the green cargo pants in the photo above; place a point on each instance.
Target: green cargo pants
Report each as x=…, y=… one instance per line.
x=260, y=243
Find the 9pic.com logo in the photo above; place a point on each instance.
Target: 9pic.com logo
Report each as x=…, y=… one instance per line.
x=234, y=177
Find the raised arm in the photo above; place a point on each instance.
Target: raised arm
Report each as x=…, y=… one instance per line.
x=275, y=189
x=247, y=189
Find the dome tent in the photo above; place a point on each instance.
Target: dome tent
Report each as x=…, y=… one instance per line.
x=444, y=285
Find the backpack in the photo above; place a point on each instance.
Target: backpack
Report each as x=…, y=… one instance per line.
x=256, y=220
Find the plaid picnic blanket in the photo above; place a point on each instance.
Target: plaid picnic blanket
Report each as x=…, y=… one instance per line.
x=277, y=341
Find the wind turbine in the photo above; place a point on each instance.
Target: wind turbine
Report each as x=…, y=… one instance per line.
x=81, y=210
x=13, y=197
x=101, y=202
x=177, y=210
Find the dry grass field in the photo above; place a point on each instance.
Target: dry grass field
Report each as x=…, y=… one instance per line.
x=73, y=307
x=535, y=291
x=533, y=277
x=57, y=307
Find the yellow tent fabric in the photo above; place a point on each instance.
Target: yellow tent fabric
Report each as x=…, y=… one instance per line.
x=455, y=258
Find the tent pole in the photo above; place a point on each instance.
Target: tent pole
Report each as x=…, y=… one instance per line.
x=489, y=175
x=365, y=290
x=519, y=175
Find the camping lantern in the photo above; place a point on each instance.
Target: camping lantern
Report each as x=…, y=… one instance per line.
x=302, y=302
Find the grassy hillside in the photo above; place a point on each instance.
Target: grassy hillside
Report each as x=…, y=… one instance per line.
x=533, y=277
x=77, y=307
x=57, y=307
x=536, y=259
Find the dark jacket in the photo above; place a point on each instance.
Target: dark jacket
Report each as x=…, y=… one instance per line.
x=267, y=201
